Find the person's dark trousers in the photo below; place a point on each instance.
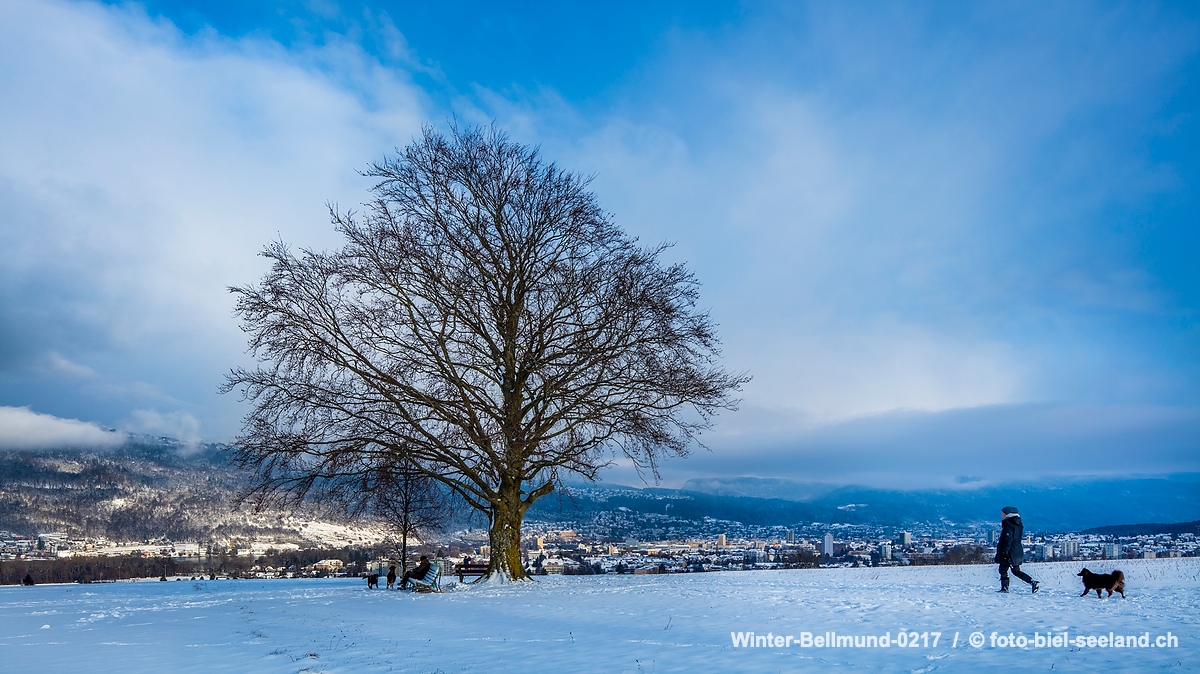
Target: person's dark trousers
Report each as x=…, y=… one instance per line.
x=1016, y=571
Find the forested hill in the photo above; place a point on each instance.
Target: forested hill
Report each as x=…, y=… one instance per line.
x=1047, y=506
x=156, y=487
x=148, y=488
x=1148, y=529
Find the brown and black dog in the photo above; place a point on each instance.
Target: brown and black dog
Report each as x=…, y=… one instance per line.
x=1113, y=582
x=373, y=581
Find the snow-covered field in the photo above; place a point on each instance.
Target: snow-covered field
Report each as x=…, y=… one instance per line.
x=606, y=623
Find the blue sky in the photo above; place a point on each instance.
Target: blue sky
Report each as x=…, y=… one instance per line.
x=947, y=240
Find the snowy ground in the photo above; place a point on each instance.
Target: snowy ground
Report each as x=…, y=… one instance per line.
x=604, y=623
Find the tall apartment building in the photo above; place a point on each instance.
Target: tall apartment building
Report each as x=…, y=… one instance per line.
x=1070, y=548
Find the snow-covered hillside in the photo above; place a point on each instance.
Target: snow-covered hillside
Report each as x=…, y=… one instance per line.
x=609, y=623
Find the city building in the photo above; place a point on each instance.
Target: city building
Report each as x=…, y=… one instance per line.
x=827, y=548
x=1070, y=548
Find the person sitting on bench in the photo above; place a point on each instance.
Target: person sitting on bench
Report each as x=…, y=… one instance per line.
x=417, y=573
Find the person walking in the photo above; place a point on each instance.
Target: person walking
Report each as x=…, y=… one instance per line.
x=1009, y=551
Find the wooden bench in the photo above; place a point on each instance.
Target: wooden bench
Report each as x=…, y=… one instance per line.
x=432, y=582
x=472, y=569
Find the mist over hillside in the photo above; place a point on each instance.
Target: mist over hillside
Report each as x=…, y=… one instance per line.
x=1061, y=504
x=761, y=487
x=1067, y=504
x=154, y=487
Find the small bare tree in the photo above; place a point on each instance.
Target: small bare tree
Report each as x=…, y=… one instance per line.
x=410, y=503
x=486, y=321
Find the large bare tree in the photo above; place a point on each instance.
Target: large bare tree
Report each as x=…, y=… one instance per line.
x=486, y=321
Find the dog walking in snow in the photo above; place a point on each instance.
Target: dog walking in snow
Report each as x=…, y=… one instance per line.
x=1113, y=582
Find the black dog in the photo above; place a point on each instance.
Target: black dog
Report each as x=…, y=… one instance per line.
x=1113, y=582
x=373, y=581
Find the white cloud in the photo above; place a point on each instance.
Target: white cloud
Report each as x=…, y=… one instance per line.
x=23, y=429
x=812, y=254
x=829, y=377
x=141, y=171
x=179, y=425
x=61, y=365
x=918, y=449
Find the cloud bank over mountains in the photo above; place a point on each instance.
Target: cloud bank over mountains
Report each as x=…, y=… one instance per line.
x=960, y=448
x=23, y=429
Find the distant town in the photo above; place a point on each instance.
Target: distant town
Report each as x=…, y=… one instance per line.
x=149, y=507
x=712, y=545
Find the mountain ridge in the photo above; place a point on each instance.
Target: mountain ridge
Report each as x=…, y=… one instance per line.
x=157, y=486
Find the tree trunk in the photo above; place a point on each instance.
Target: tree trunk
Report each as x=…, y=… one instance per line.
x=505, y=535
x=406, y=502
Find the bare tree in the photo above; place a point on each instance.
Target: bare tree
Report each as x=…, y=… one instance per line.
x=485, y=320
x=411, y=504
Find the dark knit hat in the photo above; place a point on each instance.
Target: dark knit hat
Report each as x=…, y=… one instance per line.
x=1009, y=510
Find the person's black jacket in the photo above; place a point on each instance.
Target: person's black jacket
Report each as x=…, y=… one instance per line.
x=420, y=571
x=1009, y=547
